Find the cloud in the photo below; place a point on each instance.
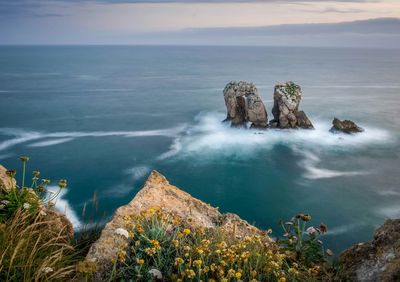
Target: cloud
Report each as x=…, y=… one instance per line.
x=371, y=26
x=341, y=11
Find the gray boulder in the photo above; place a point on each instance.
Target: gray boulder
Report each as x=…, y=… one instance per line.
x=287, y=97
x=244, y=105
x=345, y=126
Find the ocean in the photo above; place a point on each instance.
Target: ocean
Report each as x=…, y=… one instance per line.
x=103, y=117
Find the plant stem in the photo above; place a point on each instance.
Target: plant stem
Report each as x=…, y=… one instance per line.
x=23, y=173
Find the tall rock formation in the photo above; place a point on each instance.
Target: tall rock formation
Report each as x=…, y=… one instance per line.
x=244, y=105
x=287, y=97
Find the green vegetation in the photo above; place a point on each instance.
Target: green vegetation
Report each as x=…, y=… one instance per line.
x=163, y=246
x=291, y=88
x=38, y=244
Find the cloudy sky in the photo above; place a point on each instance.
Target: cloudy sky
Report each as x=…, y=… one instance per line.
x=159, y=21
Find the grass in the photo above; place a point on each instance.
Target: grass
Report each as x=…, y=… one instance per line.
x=31, y=249
x=36, y=244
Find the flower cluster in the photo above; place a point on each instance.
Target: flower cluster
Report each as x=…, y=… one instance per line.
x=28, y=197
x=162, y=245
x=303, y=243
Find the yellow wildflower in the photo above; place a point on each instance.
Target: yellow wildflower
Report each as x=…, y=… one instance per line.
x=140, y=261
x=178, y=261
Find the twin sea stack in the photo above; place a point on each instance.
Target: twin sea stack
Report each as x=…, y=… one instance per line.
x=245, y=106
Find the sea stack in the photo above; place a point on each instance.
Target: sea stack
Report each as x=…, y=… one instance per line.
x=244, y=105
x=345, y=126
x=287, y=97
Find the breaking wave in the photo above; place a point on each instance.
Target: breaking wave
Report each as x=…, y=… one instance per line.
x=62, y=206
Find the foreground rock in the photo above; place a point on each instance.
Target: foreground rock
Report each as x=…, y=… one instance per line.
x=287, y=97
x=345, y=126
x=158, y=193
x=244, y=104
x=376, y=260
x=6, y=183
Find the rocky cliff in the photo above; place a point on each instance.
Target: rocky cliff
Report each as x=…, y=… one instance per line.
x=158, y=193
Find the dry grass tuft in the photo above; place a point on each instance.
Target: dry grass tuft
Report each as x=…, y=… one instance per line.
x=32, y=249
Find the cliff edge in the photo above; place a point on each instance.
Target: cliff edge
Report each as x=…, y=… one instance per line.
x=157, y=192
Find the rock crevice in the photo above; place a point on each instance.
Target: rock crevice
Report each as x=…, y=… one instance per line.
x=244, y=105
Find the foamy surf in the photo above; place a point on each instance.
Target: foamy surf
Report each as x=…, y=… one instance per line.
x=212, y=138
x=313, y=172
x=63, y=206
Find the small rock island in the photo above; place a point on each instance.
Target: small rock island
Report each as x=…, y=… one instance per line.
x=345, y=126
x=245, y=108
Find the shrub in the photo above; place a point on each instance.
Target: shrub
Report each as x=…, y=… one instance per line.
x=163, y=247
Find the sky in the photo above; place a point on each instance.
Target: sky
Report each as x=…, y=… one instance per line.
x=171, y=21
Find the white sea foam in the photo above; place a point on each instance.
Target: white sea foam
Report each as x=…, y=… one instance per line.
x=138, y=172
x=211, y=138
x=64, y=207
x=22, y=136
x=310, y=162
x=50, y=142
x=389, y=192
x=174, y=149
x=390, y=212
x=344, y=229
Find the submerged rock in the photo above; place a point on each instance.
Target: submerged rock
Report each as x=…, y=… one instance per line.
x=345, y=126
x=158, y=193
x=244, y=104
x=287, y=97
x=376, y=260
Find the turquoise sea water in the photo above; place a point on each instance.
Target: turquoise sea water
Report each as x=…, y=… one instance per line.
x=104, y=117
